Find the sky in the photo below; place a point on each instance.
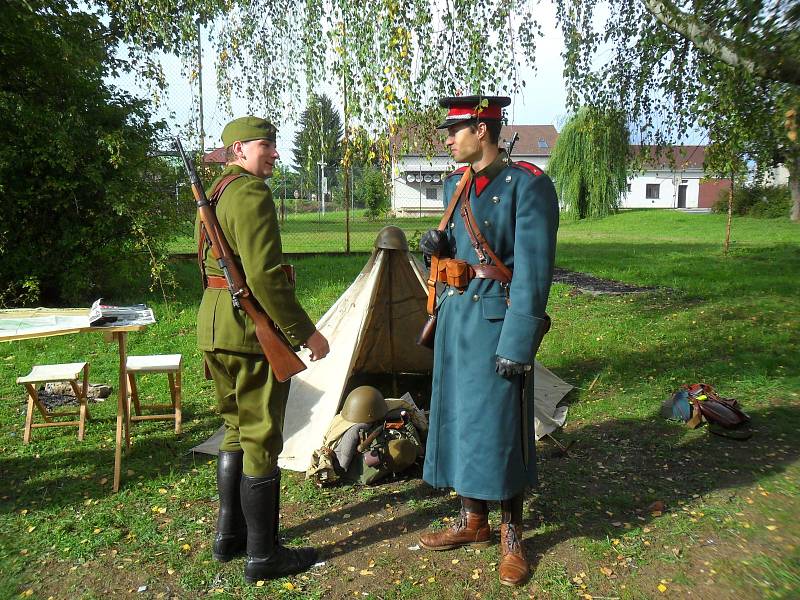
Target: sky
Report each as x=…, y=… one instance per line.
x=543, y=101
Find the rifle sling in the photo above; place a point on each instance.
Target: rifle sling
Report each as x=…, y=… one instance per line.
x=216, y=194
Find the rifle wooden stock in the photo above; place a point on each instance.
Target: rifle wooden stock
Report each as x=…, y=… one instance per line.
x=279, y=353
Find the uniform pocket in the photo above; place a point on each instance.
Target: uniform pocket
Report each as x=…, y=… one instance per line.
x=494, y=307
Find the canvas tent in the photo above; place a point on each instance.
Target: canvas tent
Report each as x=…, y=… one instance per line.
x=372, y=330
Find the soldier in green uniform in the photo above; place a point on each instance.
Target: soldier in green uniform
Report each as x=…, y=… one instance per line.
x=480, y=439
x=251, y=401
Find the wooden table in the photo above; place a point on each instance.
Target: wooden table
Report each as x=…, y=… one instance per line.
x=71, y=323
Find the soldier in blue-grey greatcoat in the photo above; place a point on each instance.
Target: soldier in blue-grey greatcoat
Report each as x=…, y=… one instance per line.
x=481, y=425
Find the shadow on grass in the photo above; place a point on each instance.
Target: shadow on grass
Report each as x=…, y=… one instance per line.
x=614, y=472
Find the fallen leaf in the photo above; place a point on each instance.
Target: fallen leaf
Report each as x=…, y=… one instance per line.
x=662, y=588
x=288, y=586
x=366, y=572
x=606, y=571
x=260, y=583
x=772, y=527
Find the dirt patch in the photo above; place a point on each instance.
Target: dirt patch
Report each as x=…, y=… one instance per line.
x=589, y=284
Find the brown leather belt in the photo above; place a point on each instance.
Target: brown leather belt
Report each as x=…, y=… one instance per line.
x=490, y=272
x=216, y=282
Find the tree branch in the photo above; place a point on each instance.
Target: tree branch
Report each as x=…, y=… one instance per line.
x=773, y=66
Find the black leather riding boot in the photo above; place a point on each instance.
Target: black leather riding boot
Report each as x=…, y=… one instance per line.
x=231, y=538
x=266, y=557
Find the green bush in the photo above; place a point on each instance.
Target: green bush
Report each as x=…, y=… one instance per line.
x=763, y=201
x=372, y=193
x=82, y=198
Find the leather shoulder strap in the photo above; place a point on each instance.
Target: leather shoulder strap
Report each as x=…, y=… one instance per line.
x=479, y=243
x=216, y=194
x=462, y=183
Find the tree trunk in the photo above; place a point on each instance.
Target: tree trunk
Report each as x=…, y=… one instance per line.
x=793, y=166
x=730, y=218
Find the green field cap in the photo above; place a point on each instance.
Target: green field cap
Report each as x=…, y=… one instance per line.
x=248, y=128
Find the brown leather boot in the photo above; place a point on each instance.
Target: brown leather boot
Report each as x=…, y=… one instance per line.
x=471, y=529
x=514, y=569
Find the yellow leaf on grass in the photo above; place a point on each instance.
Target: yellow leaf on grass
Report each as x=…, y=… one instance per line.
x=185, y=548
x=288, y=586
x=171, y=571
x=455, y=561
x=26, y=593
x=431, y=579
x=772, y=527
x=476, y=575
x=32, y=527
x=366, y=572
x=662, y=588
x=260, y=583
x=606, y=571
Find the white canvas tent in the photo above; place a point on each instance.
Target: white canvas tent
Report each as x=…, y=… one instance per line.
x=372, y=328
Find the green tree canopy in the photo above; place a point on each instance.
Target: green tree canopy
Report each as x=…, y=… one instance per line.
x=319, y=136
x=80, y=193
x=731, y=67
x=589, y=163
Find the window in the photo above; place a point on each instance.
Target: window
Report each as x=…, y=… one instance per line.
x=430, y=194
x=651, y=192
x=543, y=143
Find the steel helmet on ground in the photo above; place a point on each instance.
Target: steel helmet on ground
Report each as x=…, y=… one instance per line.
x=364, y=404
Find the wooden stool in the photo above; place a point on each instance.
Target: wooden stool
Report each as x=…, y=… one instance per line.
x=171, y=364
x=69, y=372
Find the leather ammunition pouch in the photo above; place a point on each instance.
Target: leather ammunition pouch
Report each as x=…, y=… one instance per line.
x=458, y=273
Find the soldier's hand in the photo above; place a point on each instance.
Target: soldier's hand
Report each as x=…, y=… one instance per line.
x=509, y=368
x=432, y=242
x=318, y=345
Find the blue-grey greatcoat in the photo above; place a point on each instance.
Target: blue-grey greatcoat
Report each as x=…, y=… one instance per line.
x=475, y=442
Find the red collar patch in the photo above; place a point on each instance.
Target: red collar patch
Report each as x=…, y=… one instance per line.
x=481, y=181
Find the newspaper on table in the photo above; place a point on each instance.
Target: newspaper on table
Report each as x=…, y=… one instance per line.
x=104, y=314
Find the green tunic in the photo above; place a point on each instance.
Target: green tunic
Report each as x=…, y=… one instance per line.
x=250, y=400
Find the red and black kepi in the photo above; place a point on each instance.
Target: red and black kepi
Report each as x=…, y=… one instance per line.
x=464, y=109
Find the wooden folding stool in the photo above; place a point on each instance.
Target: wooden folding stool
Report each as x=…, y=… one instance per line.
x=172, y=365
x=69, y=372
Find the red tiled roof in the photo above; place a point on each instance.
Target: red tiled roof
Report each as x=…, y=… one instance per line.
x=528, y=143
x=215, y=156
x=683, y=157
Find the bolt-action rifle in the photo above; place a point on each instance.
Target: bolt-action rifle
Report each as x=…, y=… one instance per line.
x=277, y=350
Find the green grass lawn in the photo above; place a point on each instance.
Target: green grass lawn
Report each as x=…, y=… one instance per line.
x=728, y=528
x=312, y=232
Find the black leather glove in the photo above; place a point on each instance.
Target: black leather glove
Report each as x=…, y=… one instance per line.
x=434, y=241
x=509, y=368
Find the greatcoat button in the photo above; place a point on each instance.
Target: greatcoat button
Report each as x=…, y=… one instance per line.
x=475, y=298
x=452, y=225
x=487, y=223
x=508, y=178
x=495, y=199
x=449, y=292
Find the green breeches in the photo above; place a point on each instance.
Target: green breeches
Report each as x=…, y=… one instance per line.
x=253, y=405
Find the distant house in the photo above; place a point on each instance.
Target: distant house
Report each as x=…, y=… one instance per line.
x=216, y=156
x=417, y=183
x=679, y=182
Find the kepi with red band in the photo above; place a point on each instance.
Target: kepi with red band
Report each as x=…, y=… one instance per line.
x=465, y=109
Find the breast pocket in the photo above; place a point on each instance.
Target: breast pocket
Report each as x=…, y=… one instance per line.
x=494, y=307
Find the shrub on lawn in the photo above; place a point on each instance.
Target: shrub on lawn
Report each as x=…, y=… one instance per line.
x=765, y=201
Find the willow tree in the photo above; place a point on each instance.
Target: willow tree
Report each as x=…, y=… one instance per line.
x=729, y=67
x=389, y=59
x=589, y=163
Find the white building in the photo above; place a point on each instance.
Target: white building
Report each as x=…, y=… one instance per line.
x=677, y=183
x=417, y=180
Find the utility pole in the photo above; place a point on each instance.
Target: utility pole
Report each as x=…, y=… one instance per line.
x=200, y=86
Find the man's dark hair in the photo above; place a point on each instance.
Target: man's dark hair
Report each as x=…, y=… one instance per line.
x=493, y=128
